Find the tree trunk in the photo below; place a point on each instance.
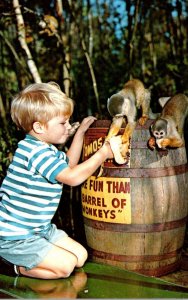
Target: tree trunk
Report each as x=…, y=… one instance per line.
x=22, y=39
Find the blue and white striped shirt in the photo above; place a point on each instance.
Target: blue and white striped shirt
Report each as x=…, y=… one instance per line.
x=30, y=193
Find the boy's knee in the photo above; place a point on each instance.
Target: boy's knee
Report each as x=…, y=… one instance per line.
x=65, y=267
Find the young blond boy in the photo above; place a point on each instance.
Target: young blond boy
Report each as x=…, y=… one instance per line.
x=31, y=190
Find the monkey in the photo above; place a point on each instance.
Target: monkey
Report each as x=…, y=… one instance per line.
x=167, y=129
x=123, y=107
x=123, y=104
x=49, y=25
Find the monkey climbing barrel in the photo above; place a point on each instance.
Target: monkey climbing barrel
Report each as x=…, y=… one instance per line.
x=135, y=214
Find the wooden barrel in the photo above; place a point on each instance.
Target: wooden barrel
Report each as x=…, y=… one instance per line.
x=135, y=214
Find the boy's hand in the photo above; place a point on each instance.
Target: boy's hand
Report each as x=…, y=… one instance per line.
x=107, y=148
x=85, y=124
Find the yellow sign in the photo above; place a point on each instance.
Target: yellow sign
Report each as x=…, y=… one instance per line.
x=107, y=199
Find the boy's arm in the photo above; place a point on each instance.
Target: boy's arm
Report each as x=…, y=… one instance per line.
x=75, y=149
x=79, y=173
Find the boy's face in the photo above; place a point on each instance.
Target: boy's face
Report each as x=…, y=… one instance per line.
x=56, y=130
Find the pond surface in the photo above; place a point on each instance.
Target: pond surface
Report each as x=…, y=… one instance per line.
x=96, y=281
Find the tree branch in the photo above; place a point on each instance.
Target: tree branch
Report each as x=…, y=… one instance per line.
x=22, y=40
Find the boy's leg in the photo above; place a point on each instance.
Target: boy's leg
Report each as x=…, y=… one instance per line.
x=74, y=247
x=60, y=261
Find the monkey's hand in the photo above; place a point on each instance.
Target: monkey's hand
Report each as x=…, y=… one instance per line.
x=170, y=142
x=143, y=120
x=152, y=143
x=116, y=146
x=163, y=143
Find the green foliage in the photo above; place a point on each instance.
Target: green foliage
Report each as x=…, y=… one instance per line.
x=7, y=146
x=123, y=39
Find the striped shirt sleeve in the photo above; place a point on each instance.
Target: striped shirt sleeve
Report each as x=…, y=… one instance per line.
x=47, y=161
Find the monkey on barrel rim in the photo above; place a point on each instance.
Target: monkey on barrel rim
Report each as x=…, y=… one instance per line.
x=123, y=107
x=167, y=129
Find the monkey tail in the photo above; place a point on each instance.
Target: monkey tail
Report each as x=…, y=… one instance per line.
x=152, y=115
x=147, y=95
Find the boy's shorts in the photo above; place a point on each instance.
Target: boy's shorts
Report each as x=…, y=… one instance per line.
x=30, y=252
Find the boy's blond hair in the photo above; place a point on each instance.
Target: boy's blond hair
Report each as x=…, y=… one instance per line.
x=40, y=102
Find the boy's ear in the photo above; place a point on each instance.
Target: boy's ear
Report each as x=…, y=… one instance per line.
x=38, y=127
